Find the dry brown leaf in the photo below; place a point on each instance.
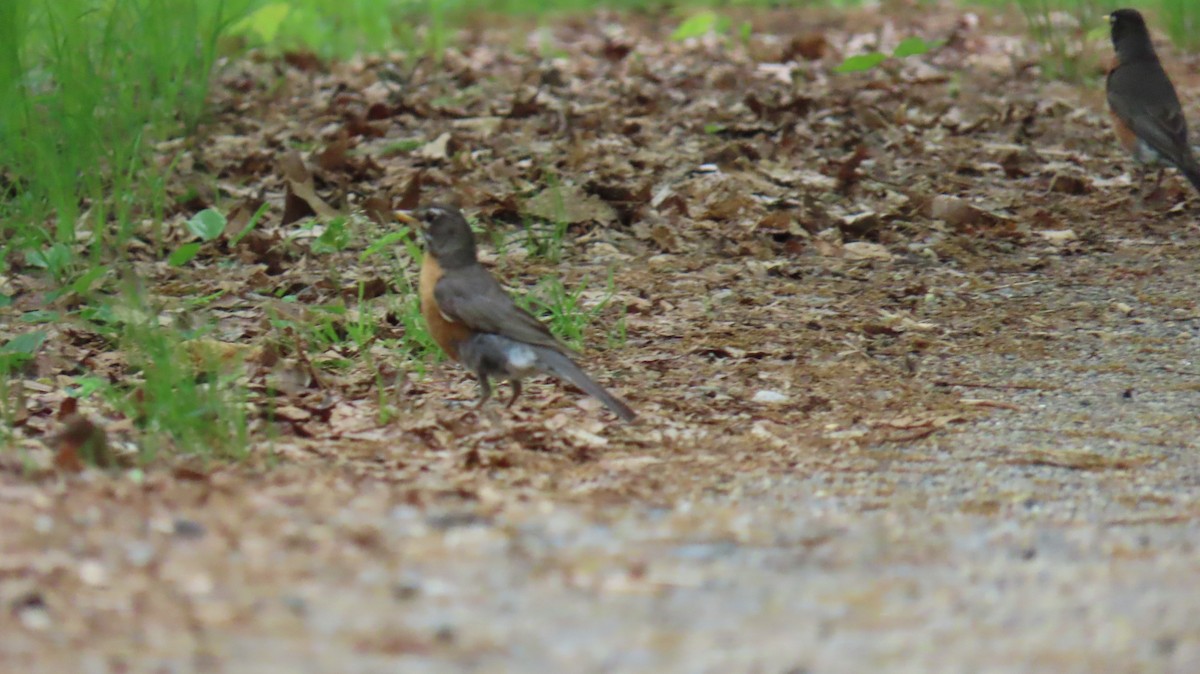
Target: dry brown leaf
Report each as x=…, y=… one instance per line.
x=205, y=353
x=864, y=250
x=847, y=171
x=301, y=199
x=729, y=207
x=335, y=156
x=438, y=149
x=665, y=238
x=411, y=198
x=810, y=47
x=954, y=211
x=379, y=209
x=239, y=217
x=81, y=443
x=570, y=204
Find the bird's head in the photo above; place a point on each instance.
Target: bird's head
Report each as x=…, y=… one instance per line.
x=447, y=235
x=1127, y=24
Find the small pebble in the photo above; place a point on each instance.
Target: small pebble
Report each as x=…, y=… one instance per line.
x=769, y=397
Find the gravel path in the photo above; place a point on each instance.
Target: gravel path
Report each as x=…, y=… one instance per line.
x=1053, y=528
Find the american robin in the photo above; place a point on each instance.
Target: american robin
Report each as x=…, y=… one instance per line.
x=1146, y=114
x=475, y=321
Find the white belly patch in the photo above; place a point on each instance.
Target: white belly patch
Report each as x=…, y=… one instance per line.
x=521, y=359
x=1146, y=154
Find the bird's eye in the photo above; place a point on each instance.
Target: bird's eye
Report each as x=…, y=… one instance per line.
x=433, y=212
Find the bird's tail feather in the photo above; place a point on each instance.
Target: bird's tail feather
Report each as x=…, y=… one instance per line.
x=561, y=366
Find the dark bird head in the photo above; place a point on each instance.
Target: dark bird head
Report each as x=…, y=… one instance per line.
x=1130, y=37
x=447, y=235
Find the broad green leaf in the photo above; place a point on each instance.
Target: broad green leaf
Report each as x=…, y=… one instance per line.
x=696, y=25
x=204, y=300
x=861, y=62
x=100, y=316
x=84, y=283
x=207, y=224
x=384, y=241
x=53, y=259
x=184, y=254
x=24, y=345
x=86, y=386
x=36, y=258
x=406, y=145
x=335, y=237
x=39, y=316
x=911, y=46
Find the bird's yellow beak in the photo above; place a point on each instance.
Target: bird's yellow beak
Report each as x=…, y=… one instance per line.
x=418, y=226
x=1108, y=18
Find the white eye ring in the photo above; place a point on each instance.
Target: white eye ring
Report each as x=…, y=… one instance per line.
x=435, y=212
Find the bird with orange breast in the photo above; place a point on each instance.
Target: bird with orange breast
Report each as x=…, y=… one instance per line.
x=1147, y=117
x=476, y=323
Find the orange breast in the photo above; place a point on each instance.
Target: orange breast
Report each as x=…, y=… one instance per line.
x=1125, y=135
x=448, y=334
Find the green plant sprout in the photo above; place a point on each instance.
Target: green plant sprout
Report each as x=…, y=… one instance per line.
x=909, y=46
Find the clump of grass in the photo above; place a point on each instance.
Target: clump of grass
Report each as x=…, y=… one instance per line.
x=14, y=354
x=184, y=393
x=1063, y=29
x=185, y=396
x=546, y=241
x=416, y=340
x=563, y=309
x=81, y=105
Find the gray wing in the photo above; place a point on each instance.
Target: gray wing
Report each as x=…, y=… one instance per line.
x=1149, y=105
x=472, y=297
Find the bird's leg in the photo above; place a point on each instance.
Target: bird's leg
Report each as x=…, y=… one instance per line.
x=516, y=392
x=1146, y=195
x=485, y=389
x=1139, y=180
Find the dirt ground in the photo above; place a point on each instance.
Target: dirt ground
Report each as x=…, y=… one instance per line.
x=916, y=373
